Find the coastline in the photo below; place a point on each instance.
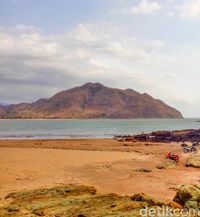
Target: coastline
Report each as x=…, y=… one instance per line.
x=88, y=129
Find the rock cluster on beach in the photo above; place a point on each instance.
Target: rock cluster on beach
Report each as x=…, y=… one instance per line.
x=163, y=136
x=83, y=201
x=166, y=164
x=189, y=196
x=72, y=201
x=193, y=161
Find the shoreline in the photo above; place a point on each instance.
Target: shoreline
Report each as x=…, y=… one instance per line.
x=45, y=138
x=18, y=129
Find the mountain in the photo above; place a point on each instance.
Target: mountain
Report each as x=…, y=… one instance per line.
x=93, y=100
x=3, y=104
x=2, y=110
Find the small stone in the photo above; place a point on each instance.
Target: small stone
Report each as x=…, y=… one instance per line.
x=144, y=170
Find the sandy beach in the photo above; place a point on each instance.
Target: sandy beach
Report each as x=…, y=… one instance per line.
x=108, y=165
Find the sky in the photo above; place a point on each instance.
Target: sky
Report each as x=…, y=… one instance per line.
x=151, y=46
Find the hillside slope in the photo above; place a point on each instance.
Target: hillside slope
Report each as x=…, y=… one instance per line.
x=93, y=100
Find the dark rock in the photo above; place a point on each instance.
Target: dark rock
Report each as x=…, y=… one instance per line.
x=144, y=170
x=141, y=197
x=166, y=136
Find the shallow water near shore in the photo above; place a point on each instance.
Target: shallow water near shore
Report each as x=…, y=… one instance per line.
x=92, y=128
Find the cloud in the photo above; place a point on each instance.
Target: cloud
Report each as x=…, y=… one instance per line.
x=81, y=44
x=170, y=14
x=190, y=9
x=144, y=7
x=30, y=57
x=34, y=64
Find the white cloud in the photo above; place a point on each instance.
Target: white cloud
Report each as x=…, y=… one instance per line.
x=190, y=9
x=35, y=65
x=85, y=51
x=170, y=14
x=171, y=1
x=144, y=7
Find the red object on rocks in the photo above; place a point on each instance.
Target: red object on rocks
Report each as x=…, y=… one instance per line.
x=171, y=156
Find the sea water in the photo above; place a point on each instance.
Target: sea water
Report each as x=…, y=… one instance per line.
x=95, y=128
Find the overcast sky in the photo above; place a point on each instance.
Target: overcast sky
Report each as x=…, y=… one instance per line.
x=148, y=45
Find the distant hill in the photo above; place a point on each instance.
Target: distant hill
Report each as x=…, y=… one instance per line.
x=93, y=100
x=4, y=104
x=3, y=111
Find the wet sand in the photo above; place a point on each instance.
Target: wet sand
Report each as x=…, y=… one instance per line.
x=106, y=164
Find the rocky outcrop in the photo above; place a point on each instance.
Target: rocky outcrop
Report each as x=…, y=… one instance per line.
x=83, y=201
x=72, y=201
x=164, y=136
x=94, y=100
x=141, y=197
x=189, y=196
x=166, y=164
x=193, y=161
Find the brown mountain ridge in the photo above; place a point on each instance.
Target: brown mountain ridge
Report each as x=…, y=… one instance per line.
x=93, y=100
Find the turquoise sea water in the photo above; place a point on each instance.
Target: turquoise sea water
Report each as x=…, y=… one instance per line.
x=99, y=128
